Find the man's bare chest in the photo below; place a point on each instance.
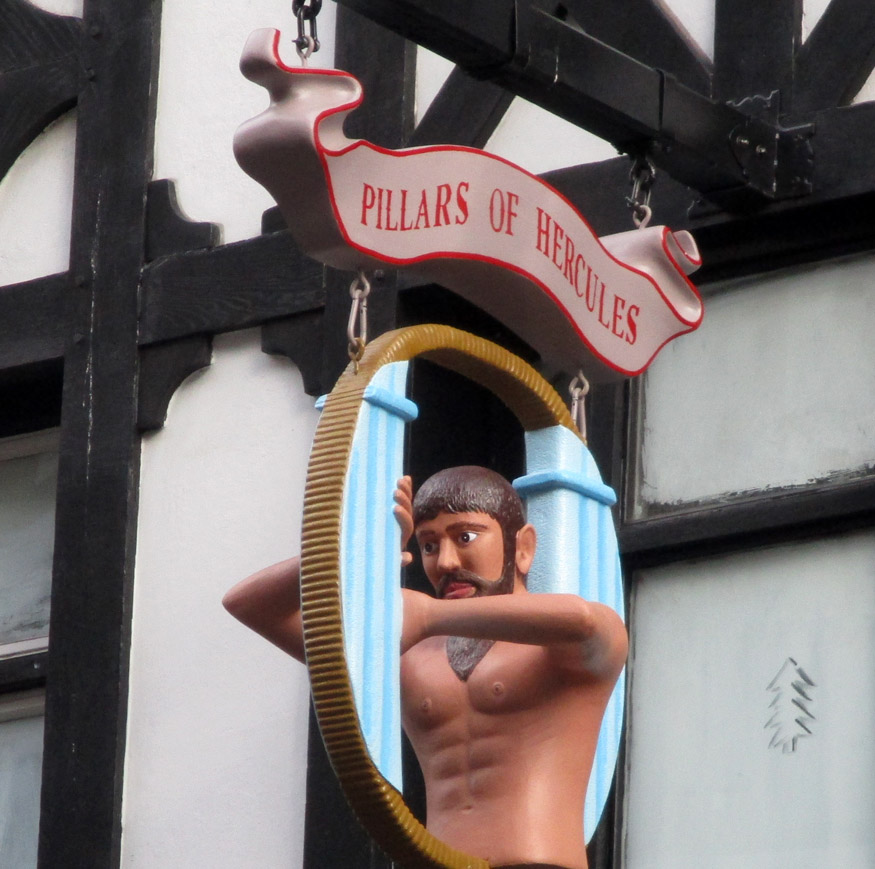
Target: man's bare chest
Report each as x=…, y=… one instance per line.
x=511, y=677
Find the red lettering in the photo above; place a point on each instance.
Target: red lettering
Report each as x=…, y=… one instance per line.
x=444, y=194
x=631, y=314
x=389, y=212
x=512, y=199
x=558, y=235
x=544, y=222
x=591, y=288
x=496, y=226
x=579, y=266
x=605, y=323
x=422, y=213
x=569, y=260
x=369, y=197
x=619, y=306
x=404, y=227
x=463, y=203
x=379, y=208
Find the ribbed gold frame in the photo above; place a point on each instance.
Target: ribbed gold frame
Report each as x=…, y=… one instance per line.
x=378, y=805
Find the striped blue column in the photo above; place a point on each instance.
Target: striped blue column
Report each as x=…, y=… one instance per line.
x=570, y=507
x=370, y=558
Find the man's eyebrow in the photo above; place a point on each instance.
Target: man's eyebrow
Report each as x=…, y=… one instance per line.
x=453, y=526
x=456, y=526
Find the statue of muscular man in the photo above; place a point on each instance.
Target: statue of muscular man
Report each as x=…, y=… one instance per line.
x=502, y=691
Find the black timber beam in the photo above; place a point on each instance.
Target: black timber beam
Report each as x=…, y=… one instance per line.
x=34, y=320
x=98, y=476
x=837, y=58
x=40, y=72
x=778, y=516
x=229, y=287
x=726, y=154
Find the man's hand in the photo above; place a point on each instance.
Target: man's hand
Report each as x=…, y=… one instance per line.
x=404, y=516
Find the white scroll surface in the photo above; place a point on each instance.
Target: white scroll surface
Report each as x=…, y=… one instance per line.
x=370, y=557
x=577, y=553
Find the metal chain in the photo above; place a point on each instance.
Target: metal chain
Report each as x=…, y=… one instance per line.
x=579, y=389
x=642, y=175
x=306, y=11
x=358, y=318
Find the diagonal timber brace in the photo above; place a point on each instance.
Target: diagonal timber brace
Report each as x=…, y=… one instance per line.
x=738, y=158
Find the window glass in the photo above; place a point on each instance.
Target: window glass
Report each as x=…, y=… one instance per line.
x=28, y=480
x=21, y=751
x=751, y=708
x=775, y=389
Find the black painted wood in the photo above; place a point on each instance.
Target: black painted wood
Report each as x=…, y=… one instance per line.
x=755, y=46
x=300, y=339
x=34, y=320
x=385, y=64
x=30, y=397
x=163, y=367
x=466, y=111
x=40, y=71
x=768, y=517
x=477, y=40
x=231, y=287
x=168, y=230
x=837, y=57
x=23, y=672
x=644, y=30
x=86, y=697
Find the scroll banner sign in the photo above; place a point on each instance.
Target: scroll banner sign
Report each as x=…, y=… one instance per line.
x=471, y=221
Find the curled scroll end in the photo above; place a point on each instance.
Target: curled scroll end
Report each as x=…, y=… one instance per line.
x=683, y=249
x=260, y=59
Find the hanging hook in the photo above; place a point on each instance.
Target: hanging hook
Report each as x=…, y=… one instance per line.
x=306, y=43
x=642, y=175
x=579, y=389
x=358, y=318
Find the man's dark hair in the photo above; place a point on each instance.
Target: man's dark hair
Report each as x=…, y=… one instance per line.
x=472, y=489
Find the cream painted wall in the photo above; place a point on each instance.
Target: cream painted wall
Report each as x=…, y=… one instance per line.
x=217, y=722
x=36, y=206
x=203, y=98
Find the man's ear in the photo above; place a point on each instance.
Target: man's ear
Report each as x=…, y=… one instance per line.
x=526, y=541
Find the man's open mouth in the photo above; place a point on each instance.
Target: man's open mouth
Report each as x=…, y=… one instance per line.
x=457, y=589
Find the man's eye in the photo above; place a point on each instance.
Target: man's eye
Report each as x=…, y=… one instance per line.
x=429, y=548
x=467, y=537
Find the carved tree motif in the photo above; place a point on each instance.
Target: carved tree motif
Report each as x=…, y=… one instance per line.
x=790, y=716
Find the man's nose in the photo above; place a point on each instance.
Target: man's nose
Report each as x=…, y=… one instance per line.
x=448, y=558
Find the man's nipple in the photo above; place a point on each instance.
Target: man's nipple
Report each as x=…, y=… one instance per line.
x=498, y=688
x=425, y=705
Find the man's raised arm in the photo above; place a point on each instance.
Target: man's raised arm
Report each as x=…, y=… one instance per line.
x=589, y=636
x=269, y=602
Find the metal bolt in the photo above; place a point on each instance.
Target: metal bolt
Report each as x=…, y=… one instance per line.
x=761, y=149
x=741, y=140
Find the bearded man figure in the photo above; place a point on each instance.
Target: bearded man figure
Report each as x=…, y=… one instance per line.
x=502, y=691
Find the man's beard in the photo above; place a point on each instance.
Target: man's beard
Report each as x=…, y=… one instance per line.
x=482, y=587
x=465, y=653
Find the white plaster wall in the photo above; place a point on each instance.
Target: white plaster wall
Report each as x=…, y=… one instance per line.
x=36, y=206
x=203, y=98
x=217, y=718
x=60, y=7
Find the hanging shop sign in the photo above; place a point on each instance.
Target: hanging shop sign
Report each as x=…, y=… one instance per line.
x=469, y=220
